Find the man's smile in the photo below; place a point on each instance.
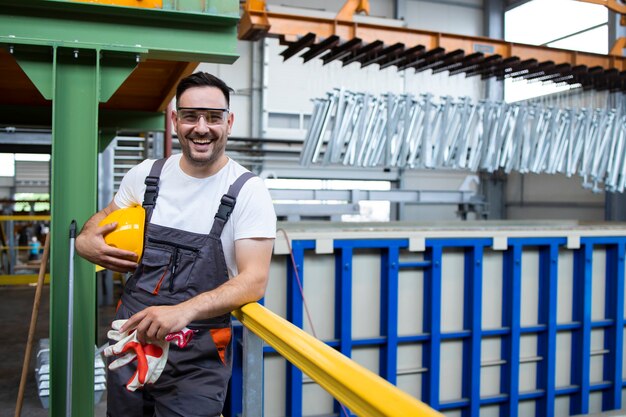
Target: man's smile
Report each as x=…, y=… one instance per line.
x=202, y=141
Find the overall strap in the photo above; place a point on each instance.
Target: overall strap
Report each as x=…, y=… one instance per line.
x=152, y=188
x=227, y=204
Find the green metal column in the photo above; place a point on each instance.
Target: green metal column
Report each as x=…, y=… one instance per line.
x=76, y=80
x=74, y=190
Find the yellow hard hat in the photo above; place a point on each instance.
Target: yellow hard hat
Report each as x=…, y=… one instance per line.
x=128, y=234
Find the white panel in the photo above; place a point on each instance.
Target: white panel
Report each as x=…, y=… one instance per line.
x=489, y=381
x=452, y=280
x=319, y=291
x=598, y=283
x=451, y=371
x=452, y=413
x=565, y=286
x=367, y=357
x=276, y=294
x=411, y=384
x=528, y=370
x=490, y=411
x=428, y=15
x=409, y=362
x=492, y=290
x=317, y=400
x=595, y=402
x=490, y=351
x=530, y=287
x=527, y=408
x=274, y=383
x=365, y=294
x=561, y=406
x=597, y=361
x=595, y=368
x=563, y=359
x=597, y=339
x=411, y=302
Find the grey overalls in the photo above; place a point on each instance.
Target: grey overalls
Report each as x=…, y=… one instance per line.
x=177, y=265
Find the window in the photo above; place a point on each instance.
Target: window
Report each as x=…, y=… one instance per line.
x=563, y=24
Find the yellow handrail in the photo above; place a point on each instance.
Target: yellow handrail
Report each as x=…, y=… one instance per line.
x=361, y=390
x=25, y=217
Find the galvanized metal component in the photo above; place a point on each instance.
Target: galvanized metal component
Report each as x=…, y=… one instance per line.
x=398, y=131
x=252, y=389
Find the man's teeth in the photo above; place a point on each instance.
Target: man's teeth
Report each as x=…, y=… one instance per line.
x=201, y=141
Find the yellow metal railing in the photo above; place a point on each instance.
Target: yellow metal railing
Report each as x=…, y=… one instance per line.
x=19, y=279
x=361, y=390
x=25, y=217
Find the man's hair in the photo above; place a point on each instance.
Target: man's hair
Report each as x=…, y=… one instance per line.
x=203, y=79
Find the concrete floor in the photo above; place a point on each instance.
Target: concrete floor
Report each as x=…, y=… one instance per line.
x=16, y=304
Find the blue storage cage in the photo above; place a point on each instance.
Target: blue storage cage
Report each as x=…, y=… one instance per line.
x=605, y=386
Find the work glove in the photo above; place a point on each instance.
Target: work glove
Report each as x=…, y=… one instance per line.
x=151, y=357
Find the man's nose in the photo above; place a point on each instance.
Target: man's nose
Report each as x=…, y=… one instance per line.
x=201, y=126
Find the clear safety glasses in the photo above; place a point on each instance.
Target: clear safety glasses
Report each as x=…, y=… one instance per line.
x=191, y=115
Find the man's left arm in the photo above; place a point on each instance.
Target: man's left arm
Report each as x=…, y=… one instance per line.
x=253, y=262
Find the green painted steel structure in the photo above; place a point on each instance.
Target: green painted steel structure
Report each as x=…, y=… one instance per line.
x=77, y=55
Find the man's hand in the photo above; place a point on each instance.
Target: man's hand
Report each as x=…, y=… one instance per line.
x=90, y=244
x=154, y=323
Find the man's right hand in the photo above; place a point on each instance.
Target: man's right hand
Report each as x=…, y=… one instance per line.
x=90, y=245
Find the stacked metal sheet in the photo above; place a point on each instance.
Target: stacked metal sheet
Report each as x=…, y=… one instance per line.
x=404, y=131
x=42, y=374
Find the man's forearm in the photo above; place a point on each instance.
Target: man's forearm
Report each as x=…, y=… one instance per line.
x=229, y=296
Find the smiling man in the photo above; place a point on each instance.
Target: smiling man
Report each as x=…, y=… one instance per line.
x=210, y=228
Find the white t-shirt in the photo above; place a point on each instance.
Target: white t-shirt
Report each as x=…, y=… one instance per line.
x=190, y=204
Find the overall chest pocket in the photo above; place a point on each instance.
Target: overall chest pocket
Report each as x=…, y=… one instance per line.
x=166, y=268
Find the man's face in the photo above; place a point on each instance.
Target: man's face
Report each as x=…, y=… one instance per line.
x=203, y=124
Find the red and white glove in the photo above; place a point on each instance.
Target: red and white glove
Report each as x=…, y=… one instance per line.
x=151, y=357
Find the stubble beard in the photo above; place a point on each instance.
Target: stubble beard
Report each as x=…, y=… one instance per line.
x=204, y=159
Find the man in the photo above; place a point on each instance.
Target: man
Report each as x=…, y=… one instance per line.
x=210, y=227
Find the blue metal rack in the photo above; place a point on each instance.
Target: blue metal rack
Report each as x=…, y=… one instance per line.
x=473, y=334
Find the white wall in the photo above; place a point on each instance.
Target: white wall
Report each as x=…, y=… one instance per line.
x=464, y=17
x=556, y=197
x=238, y=77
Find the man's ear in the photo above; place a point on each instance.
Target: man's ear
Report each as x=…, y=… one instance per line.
x=231, y=120
x=173, y=120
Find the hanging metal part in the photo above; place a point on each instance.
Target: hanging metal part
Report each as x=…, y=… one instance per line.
x=400, y=131
x=345, y=39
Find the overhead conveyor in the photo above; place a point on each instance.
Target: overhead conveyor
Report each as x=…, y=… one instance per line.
x=344, y=39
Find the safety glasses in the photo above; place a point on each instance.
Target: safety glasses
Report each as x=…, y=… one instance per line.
x=191, y=115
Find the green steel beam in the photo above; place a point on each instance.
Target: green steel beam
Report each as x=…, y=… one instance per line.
x=110, y=120
x=35, y=62
x=131, y=121
x=74, y=193
x=157, y=33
